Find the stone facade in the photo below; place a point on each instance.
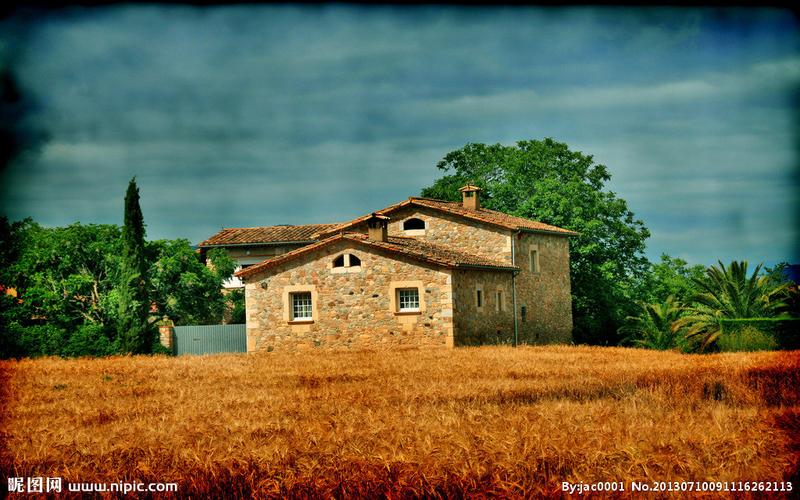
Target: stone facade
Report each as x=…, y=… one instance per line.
x=491, y=322
x=354, y=309
x=356, y=306
x=544, y=292
x=450, y=230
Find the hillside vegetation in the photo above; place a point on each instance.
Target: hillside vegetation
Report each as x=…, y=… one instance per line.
x=492, y=420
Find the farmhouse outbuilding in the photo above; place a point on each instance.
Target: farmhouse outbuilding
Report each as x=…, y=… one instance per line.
x=422, y=272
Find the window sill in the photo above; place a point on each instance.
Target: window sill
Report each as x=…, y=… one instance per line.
x=407, y=313
x=345, y=270
x=300, y=321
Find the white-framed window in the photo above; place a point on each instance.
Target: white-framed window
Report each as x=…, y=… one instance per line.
x=408, y=299
x=301, y=306
x=534, y=260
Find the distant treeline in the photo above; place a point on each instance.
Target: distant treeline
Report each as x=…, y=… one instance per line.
x=60, y=288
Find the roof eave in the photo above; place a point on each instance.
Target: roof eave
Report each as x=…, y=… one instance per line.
x=487, y=268
x=546, y=231
x=260, y=243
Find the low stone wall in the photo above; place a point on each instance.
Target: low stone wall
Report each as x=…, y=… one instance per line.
x=166, y=334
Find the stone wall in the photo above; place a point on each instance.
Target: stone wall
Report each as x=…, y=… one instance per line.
x=456, y=232
x=488, y=324
x=545, y=293
x=351, y=309
x=166, y=333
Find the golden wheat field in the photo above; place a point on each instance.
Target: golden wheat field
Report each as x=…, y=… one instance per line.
x=485, y=422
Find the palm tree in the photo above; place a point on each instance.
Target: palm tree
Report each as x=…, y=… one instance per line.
x=653, y=327
x=727, y=293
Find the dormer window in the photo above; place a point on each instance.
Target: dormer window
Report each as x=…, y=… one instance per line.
x=414, y=224
x=346, y=262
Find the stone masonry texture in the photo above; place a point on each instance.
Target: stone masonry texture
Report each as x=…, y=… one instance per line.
x=354, y=308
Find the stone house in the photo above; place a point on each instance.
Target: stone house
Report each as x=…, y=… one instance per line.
x=251, y=245
x=422, y=272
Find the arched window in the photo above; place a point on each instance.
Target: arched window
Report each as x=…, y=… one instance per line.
x=414, y=223
x=346, y=260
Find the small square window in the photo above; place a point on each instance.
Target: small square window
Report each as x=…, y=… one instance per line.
x=408, y=299
x=301, y=306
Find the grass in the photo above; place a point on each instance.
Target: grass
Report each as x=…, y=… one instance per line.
x=489, y=421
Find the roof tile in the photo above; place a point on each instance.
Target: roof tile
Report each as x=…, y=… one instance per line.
x=409, y=247
x=266, y=234
x=492, y=217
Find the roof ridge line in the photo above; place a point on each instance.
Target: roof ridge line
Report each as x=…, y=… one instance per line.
x=287, y=225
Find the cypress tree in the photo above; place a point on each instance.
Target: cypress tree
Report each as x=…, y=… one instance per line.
x=132, y=329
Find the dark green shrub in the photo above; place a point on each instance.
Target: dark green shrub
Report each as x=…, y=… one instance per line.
x=785, y=331
x=90, y=340
x=40, y=340
x=747, y=338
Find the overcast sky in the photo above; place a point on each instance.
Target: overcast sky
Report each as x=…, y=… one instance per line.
x=251, y=115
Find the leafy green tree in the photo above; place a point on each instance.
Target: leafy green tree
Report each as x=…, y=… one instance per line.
x=669, y=277
x=654, y=326
x=221, y=263
x=779, y=275
x=236, y=306
x=182, y=287
x=135, y=335
x=728, y=293
x=68, y=293
x=546, y=181
x=63, y=278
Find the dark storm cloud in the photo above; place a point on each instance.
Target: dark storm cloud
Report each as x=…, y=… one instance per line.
x=249, y=116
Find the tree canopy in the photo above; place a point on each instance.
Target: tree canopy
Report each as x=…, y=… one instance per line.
x=546, y=181
x=59, y=287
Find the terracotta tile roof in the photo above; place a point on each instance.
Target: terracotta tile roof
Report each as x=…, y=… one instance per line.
x=266, y=234
x=492, y=217
x=409, y=247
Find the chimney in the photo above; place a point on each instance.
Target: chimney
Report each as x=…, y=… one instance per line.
x=378, y=227
x=469, y=197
